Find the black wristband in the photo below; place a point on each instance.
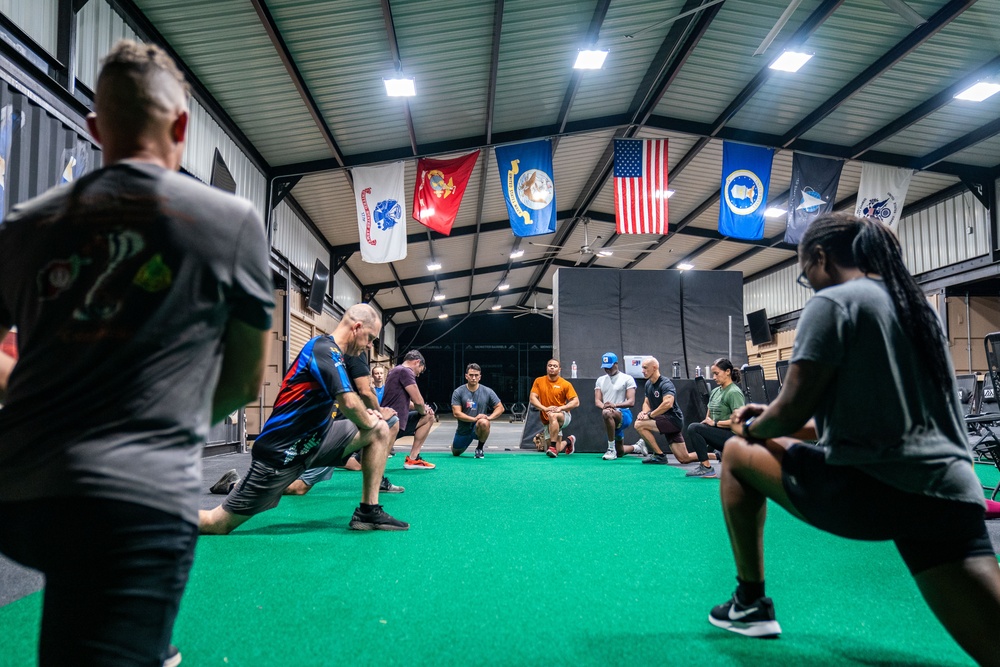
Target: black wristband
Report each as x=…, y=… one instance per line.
x=749, y=436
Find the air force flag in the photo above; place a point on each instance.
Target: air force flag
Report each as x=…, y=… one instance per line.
x=381, y=212
x=812, y=192
x=746, y=173
x=526, y=180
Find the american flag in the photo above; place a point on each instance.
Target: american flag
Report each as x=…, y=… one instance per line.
x=641, y=186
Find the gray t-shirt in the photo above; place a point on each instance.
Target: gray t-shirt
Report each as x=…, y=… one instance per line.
x=482, y=401
x=883, y=414
x=121, y=285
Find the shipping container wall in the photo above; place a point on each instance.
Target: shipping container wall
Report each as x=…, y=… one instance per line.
x=38, y=19
x=292, y=238
x=346, y=292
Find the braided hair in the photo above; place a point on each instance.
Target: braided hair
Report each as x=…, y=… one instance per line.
x=724, y=365
x=872, y=248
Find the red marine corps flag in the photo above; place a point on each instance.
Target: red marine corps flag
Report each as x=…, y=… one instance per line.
x=439, y=189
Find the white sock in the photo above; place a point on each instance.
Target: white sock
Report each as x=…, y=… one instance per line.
x=611, y=444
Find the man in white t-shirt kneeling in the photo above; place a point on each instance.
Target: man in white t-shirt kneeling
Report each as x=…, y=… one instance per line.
x=614, y=394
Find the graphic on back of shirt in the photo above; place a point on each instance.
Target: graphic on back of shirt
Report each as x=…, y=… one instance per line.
x=305, y=403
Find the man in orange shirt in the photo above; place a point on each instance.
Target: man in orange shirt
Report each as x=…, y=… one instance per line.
x=554, y=397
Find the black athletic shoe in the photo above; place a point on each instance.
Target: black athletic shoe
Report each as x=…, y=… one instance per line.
x=656, y=459
x=173, y=657
x=479, y=452
x=377, y=519
x=388, y=487
x=752, y=620
x=225, y=483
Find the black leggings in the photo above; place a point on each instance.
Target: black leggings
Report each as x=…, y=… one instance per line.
x=114, y=575
x=699, y=436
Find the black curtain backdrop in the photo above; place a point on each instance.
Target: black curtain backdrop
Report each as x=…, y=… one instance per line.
x=590, y=323
x=710, y=298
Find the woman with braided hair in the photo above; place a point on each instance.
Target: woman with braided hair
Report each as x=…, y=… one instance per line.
x=871, y=380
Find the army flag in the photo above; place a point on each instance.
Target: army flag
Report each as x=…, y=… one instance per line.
x=526, y=180
x=812, y=192
x=439, y=189
x=746, y=174
x=378, y=192
x=641, y=186
x=882, y=193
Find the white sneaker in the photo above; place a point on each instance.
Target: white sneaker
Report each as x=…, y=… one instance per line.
x=640, y=448
x=610, y=455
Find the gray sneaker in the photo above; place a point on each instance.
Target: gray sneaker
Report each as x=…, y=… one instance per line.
x=656, y=459
x=640, y=448
x=225, y=483
x=388, y=487
x=702, y=471
x=377, y=519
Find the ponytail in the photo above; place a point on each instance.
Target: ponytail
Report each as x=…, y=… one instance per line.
x=724, y=365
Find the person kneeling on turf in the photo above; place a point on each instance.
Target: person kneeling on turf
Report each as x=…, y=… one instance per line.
x=475, y=406
x=301, y=434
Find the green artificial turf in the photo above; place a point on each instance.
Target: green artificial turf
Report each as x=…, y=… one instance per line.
x=524, y=560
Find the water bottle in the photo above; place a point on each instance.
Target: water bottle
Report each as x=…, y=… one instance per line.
x=697, y=371
x=676, y=372
x=572, y=370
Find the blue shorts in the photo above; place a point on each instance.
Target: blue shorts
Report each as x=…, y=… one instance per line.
x=626, y=422
x=461, y=441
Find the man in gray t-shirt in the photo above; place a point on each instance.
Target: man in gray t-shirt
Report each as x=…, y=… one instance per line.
x=142, y=301
x=475, y=406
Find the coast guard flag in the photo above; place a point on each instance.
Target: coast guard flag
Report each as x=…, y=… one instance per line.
x=526, y=180
x=746, y=174
x=882, y=193
x=641, y=186
x=439, y=189
x=812, y=193
x=378, y=192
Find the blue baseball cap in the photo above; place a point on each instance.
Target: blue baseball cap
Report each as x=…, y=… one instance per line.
x=609, y=359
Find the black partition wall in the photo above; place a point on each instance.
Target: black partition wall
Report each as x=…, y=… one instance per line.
x=681, y=316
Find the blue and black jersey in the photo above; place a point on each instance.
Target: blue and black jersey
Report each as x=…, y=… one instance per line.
x=304, y=407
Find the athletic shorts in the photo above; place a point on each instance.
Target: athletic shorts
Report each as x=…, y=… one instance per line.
x=261, y=488
x=626, y=422
x=461, y=441
x=669, y=428
x=569, y=418
x=847, y=502
x=411, y=424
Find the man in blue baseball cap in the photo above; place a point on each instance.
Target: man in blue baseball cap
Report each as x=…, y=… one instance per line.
x=614, y=395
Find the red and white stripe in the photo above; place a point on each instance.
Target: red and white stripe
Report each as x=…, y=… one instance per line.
x=641, y=203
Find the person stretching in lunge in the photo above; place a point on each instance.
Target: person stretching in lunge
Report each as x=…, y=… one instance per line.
x=660, y=413
x=614, y=394
x=554, y=397
x=475, y=406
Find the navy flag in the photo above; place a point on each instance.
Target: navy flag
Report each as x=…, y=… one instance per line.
x=526, y=180
x=746, y=174
x=812, y=193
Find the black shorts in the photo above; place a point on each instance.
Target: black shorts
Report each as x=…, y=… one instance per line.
x=847, y=502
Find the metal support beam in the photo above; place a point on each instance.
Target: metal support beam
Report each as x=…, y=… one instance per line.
x=282, y=188
x=402, y=290
x=461, y=299
x=66, y=44
x=688, y=219
x=958, y=145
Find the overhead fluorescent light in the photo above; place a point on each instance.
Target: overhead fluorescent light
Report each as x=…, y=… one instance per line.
x=516, y=253
x=434, y=266
x=440, y=297
x=549, y=307
x=402, y=87
x=979, y=92
x=663, y=194
x=685, y=266
x=496, y=307
x=774, y=212
x=443, y=316
x=790, y=61
x=590, y=59
x=504, y=286
x=605, y=253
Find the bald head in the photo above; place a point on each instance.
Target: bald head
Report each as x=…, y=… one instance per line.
x=650, y=367
x=364, y=314
x=139, y=98
x=357, y=330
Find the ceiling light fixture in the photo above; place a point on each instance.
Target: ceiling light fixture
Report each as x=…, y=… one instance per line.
x=434, y=266
x=605, y=253
x=443, y=316
x=790, y=61
x=979, y=91
x=496, y=306
x=586, y=59
x=516, y=253
x=440, y=297
x=549, y=307
x=774, y=212
x=504, y=286
x=685, y=266
x=663, y=194
x=401, y=87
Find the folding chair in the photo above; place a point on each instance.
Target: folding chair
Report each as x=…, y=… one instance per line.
x=781, y=368
x=752, y=383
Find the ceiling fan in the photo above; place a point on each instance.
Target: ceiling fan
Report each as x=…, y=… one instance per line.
x=590, y=248
x=525, y=310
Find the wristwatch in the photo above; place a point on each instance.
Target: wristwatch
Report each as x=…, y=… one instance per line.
x=715, y=423
x=746, y=431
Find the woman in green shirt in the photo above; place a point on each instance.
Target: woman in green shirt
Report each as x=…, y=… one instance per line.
x=714, y=428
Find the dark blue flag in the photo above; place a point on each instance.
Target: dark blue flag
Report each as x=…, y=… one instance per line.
x=746, y=174
x=526, y=181
x=812, y=193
